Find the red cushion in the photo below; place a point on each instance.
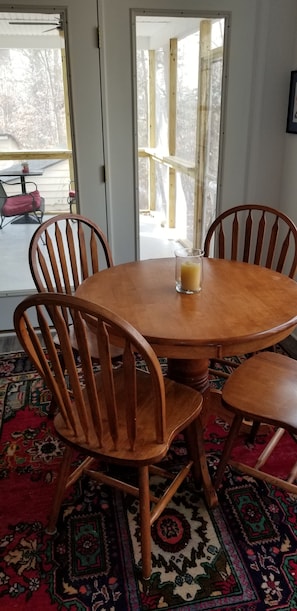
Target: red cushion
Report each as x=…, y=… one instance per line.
x=19, y=204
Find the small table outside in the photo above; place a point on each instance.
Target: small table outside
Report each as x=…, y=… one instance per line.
x=22, y=175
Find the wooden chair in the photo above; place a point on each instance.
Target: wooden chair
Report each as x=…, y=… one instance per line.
x=20, y=204
x=256, y=234
x=264, y=389
x=64, y=251
x=123, y=417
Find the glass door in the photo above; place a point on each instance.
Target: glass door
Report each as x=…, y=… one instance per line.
x=178, y=97
x=35, y=128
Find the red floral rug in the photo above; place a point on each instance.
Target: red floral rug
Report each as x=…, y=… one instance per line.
x=241, y=556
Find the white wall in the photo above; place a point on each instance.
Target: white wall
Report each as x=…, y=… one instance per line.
x=289, y=176
x=266, y=166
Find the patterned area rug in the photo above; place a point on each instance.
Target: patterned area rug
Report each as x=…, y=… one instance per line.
x=240, y=556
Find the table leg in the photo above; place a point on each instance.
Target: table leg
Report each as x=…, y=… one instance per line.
x=193, y=372
x=23, y=184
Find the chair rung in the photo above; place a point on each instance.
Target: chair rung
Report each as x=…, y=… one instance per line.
x=161, y=472
x=223, y=361
x=218, y=373
x=276, y=481
x=293, y=474
x=79, y=470
x=102, y=478
x=163, y=501
x=269, y=448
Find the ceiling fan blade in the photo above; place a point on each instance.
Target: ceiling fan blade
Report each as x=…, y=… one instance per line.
x=56, y=27
x=19, y=22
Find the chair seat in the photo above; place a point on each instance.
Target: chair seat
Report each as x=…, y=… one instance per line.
x=147, y=450
x=21, y=204
x=264, y=387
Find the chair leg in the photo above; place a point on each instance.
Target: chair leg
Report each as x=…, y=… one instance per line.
x=196, y=448
x=145, y=521
x=234, y=430
x=269, y=448
x=293, y=474
x=59, y=492
x=253, y=432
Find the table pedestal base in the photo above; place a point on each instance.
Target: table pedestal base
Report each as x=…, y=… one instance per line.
x=194, y=373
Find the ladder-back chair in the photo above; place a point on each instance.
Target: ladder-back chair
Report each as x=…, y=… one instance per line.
x=123, y=417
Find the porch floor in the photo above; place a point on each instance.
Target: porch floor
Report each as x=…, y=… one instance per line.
x=155, y=241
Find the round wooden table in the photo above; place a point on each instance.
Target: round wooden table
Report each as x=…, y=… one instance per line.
x=241, y=308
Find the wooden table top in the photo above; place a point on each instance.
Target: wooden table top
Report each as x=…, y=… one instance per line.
x=241, y=307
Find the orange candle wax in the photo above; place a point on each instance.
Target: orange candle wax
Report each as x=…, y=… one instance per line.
x=190, y=276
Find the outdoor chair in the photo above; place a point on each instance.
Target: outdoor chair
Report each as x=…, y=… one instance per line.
x=72, y=198
x=126, y=418
x=263, y=389
x=21, y=204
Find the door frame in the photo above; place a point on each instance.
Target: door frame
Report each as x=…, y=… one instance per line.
x=83, y=73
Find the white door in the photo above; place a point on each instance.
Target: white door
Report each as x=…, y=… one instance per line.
x=118, y=69
x=82, y=52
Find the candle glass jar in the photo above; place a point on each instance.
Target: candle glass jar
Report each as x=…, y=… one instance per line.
x=188, y=270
